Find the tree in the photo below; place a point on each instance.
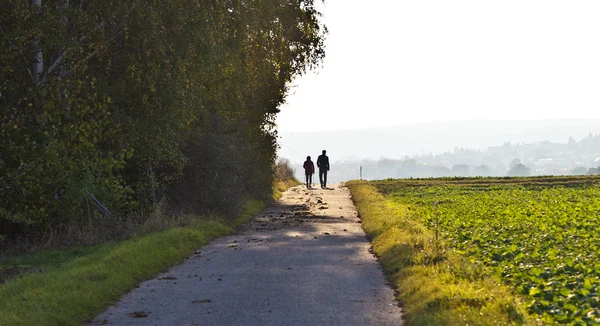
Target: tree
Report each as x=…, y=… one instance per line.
x=593, y=171
x=519, y=170
x=483, y=171
x=514, y=162
x=580, y=170
x=55, y=126
x=572, y=143
x=460, y=170
x=119, y=98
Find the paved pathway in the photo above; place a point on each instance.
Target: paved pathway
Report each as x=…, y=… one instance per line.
x=302, y=261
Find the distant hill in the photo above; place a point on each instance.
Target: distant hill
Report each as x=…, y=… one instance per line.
x=420, y=139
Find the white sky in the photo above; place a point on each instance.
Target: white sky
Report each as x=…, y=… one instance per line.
x=392, y=62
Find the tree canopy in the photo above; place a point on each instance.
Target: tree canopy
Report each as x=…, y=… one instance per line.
x=135, y=100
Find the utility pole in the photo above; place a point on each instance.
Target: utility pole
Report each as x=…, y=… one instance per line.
x=361, y=172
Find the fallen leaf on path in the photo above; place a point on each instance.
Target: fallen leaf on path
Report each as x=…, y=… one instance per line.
x=138, y=314
x=202, y=301
x=326, y=233
x=323, y=207
x=168, y=278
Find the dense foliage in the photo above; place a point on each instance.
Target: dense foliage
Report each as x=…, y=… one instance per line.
x=541, y=239
x=132, y=101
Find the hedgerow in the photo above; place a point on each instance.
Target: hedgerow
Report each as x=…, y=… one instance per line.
x=131, y=102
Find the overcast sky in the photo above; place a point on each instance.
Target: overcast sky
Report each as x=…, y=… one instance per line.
x=391, y=62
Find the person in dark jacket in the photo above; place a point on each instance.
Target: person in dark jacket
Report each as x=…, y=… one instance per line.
x=323, y=164
x=309, y=170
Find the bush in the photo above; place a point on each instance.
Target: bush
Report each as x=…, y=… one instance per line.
x=284, y=170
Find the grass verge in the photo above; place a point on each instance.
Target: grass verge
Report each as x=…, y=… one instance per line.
x=80, y=285
x=72, y=286
x=279, y=186
x=435, y=286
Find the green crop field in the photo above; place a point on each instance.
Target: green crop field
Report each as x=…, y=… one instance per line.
x=541, y=236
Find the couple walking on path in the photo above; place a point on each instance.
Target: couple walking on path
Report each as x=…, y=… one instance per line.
x=309, y=170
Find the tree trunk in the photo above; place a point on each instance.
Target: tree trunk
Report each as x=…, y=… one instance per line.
x=38, y=58
x=63, y=7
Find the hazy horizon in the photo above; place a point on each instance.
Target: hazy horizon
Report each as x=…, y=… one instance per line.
x=460, y=148
x=396, y=142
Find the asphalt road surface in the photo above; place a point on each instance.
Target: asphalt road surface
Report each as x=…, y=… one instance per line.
x=302, y=261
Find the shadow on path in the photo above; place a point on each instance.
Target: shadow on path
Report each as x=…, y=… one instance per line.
x=302, y=261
